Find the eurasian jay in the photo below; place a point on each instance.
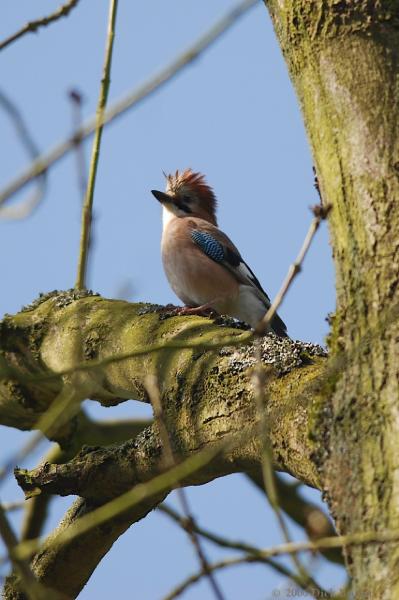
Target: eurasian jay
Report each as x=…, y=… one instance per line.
x=203, y=267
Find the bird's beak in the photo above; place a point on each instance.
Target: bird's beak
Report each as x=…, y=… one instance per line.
x=162, y=197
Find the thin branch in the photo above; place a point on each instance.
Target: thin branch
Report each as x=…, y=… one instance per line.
x=234, y=545
x=320, y=213
x=259, y=379
x=25, y=208
x=102, y=101
x=259, y=383
x=32, y=26
x=29, y=584
x=12, y=506
x=131, y=99
x=306, y=514
x=170, y=461
x=233, y=562
x=87, y=432
x=338, y=541
x=76, y=99
x=352, y=539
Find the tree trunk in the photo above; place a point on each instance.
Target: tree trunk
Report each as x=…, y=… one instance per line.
x=343, y=60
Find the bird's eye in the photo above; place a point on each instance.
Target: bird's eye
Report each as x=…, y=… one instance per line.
x=184, y=204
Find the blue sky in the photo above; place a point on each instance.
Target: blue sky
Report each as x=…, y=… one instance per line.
x=234, y=116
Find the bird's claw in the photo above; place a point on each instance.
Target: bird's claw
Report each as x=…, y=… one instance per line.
x=202, y=311
x=170, y=310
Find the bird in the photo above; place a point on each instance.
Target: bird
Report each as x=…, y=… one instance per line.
x=203, y=266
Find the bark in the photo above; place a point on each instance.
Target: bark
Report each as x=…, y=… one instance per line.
x=343, y=60
x=207, y=397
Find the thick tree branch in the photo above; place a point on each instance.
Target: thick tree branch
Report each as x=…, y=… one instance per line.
x=206, y=394
x=87, y=431
x=67, y=567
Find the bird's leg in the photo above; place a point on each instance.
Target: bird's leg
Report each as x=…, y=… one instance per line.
x=170, y=310
x=205, y=310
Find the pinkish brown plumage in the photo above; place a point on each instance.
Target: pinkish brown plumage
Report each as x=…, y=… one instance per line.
x=203, y=267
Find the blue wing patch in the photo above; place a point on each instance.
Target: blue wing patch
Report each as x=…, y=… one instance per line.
x=209, y=245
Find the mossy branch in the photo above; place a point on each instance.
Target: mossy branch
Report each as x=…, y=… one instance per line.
x=207, y=397
x=207, y=393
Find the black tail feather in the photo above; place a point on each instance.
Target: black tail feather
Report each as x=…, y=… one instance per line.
x=279, y=327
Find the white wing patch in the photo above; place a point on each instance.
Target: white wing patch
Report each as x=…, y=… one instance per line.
x=246, y=275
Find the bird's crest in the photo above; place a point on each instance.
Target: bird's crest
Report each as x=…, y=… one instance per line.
x=189, y=181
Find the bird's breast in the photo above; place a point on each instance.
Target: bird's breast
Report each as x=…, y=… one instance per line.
x=195, y=278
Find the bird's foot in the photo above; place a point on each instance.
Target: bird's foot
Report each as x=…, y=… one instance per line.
x=170, y=310
x=203, y=311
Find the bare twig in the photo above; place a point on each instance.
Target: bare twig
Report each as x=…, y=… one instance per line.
x=25, y=208
x=170, y=461
x=235, y=545
x=102, y=101
x=32, y=26
x=320, y=213
x=76, y=100
x=359, y=538
x=131, y=99
x=233, y=562
x=11, y=506
x=303, y=512
x=352, y=539
x=259, y=379
x=26, y=549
